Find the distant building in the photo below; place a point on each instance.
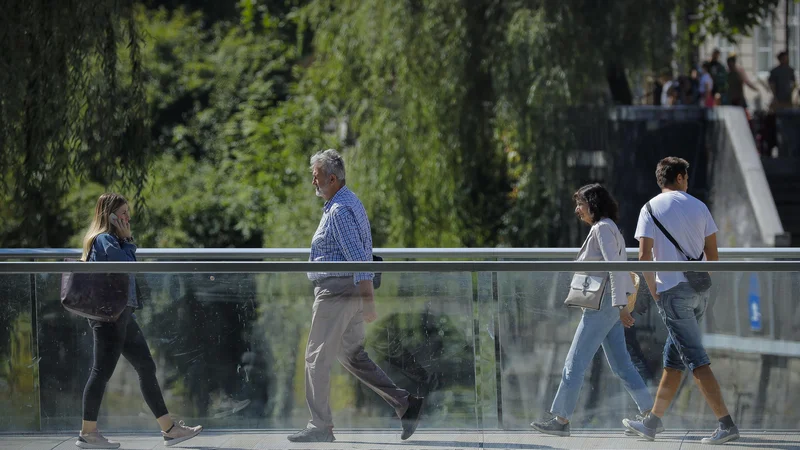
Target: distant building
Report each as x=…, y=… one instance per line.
x=757, y=54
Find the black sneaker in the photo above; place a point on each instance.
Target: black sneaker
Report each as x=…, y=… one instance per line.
x=552, y=427
x=312, y=435
x=410, y=419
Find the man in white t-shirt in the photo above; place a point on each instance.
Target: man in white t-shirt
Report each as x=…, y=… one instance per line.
x=681, y=307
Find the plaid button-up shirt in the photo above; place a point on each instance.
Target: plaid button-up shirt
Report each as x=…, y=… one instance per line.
x=343, y=234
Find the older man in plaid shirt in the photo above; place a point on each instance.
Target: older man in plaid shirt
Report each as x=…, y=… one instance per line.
x=342, y=302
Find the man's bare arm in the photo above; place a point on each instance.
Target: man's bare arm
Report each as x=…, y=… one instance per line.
x=746, y=79
x=646, y=254
x=710, y=248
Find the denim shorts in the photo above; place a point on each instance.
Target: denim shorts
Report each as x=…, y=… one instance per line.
x=681, y=308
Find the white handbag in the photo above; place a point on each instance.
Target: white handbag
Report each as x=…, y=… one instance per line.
x=586, y=291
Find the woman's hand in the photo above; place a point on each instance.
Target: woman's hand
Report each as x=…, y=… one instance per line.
x=123, y=228
x=626, y=318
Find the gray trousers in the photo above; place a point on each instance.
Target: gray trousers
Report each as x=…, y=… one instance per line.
x=337, y=332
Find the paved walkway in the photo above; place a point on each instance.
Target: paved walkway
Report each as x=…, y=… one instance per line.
x=423, y=440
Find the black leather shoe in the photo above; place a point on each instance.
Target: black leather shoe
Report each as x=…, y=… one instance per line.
x=410, y=419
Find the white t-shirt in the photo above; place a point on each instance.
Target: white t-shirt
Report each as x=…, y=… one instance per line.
x=665, y=93
x=687, y=219
x=705, y=80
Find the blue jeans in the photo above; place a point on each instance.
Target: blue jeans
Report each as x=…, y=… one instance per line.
x=598, y=328
x=681, y=308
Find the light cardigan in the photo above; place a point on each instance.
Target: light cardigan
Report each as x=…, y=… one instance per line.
x=605, y=243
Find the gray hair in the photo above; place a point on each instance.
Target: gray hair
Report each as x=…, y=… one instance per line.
x=330, y=162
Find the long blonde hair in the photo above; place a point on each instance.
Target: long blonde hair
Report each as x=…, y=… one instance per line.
x=106, y=204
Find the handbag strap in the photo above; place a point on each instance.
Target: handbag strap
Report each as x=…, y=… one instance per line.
x=585, y=241
x=669, y=236
x=584, y=245
x=621, y=247
x=617, y=235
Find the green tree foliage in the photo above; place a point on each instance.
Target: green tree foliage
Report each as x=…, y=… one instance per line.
x=458, y=114
x=699, y=19
x=451, y=114
x=387, y=75
x=730, y=18
x=224, y=162
x=68, y=109
x=208, y=89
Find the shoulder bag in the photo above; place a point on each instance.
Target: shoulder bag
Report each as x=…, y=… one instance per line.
x=585, y=290
x=699, y=281
x=96, y=296
x=376, y=281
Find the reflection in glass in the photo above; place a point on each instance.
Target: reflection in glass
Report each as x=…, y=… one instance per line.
x=229, y=350
x=486, y=349
x=19, y=393
x=753, y=364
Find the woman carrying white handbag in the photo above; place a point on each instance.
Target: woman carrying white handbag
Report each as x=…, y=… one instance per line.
x=604, y=297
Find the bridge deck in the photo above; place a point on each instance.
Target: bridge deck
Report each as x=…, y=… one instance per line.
x=424, y=439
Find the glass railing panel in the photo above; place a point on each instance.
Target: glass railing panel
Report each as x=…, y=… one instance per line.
x=755, y=304
x=487, y=350
x=19, y=389
x=229, y=349
x=487, y=343
x=755, y=365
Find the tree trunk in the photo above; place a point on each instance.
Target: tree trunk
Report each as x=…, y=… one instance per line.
x=786, y=32
x=618, y=83
x=484, y=183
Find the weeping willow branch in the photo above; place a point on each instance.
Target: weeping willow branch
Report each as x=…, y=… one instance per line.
x=72, y=106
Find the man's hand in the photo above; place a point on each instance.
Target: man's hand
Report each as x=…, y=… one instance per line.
x=370, y=315
x=368, y=300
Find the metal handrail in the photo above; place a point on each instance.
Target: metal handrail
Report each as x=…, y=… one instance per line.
x=395, y=266
x=245, y=254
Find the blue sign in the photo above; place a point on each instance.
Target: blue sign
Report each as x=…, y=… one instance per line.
x=755, y=303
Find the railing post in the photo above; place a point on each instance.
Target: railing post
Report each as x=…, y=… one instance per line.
x=477, y=349
x=737, y=278
x=35, y=353
x=498, y=349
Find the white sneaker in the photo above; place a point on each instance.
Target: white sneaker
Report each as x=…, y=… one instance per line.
x=179, y=433
x=94, y=440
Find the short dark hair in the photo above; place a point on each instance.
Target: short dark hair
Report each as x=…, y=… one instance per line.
x=599, y=200
x=782, y=54
x=732, y=60
x=669, y=168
